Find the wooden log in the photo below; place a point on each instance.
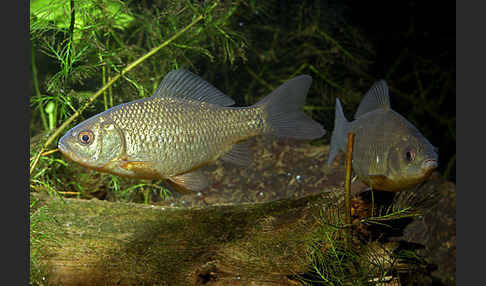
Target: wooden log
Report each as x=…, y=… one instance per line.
x=235, y=238
x=104, y=243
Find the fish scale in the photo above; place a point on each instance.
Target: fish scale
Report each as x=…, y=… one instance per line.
x=184, y=140
x=371, y=154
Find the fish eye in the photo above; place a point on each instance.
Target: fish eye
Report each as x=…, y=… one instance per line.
x=410, y=155
x=85, y=137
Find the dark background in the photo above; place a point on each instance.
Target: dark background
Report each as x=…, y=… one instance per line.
x=426, y=28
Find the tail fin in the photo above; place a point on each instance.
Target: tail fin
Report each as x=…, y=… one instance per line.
x=338, y=139
x=283, y=109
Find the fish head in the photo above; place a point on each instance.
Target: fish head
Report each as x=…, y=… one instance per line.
x=411, y=160
x=93, y=143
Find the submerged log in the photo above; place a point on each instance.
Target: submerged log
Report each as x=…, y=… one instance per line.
x=259, y=234
x=104, y=243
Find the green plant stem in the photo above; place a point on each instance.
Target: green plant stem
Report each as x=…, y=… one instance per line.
x=110, y=91
x=103, y=80
x=71, y=32
x=113, y=80
x=36, y=87
x=107, y=77
x=329, y=81
x=259, y=79
x=343, y=50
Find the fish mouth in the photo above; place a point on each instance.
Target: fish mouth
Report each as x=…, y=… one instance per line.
x=430, y=164
x=64, y=149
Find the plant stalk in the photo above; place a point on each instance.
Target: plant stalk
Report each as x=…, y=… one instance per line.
x=71, y=34
x=347, y=184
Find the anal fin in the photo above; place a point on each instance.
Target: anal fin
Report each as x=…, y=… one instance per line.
x=194, y=181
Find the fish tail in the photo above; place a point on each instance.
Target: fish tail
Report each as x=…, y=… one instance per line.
x=338, y=137
x=284, y=117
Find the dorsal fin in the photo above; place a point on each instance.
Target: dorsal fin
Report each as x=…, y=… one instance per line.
x=377, y=97
x=184, y=84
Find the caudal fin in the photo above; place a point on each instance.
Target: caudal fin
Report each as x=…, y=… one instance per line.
x=283, y=111
x=338, y=139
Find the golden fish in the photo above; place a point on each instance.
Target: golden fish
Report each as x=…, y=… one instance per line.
x=186, y=124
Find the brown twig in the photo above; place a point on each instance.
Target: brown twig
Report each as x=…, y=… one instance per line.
x=69, y=193
x=49, y=152
x=347, y=182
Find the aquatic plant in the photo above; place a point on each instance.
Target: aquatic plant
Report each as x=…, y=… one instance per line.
x=342, y=254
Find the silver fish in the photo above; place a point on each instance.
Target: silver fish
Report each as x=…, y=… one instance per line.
x=389, y=152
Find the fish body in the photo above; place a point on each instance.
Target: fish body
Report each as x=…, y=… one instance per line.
x=186, y=124
x=389, y=153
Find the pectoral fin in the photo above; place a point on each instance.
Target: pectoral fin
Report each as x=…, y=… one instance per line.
x=377, y=179
x=239, y=154
x=133, y=165
x=194, y=181
x=382, y=183
x=141, y=169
